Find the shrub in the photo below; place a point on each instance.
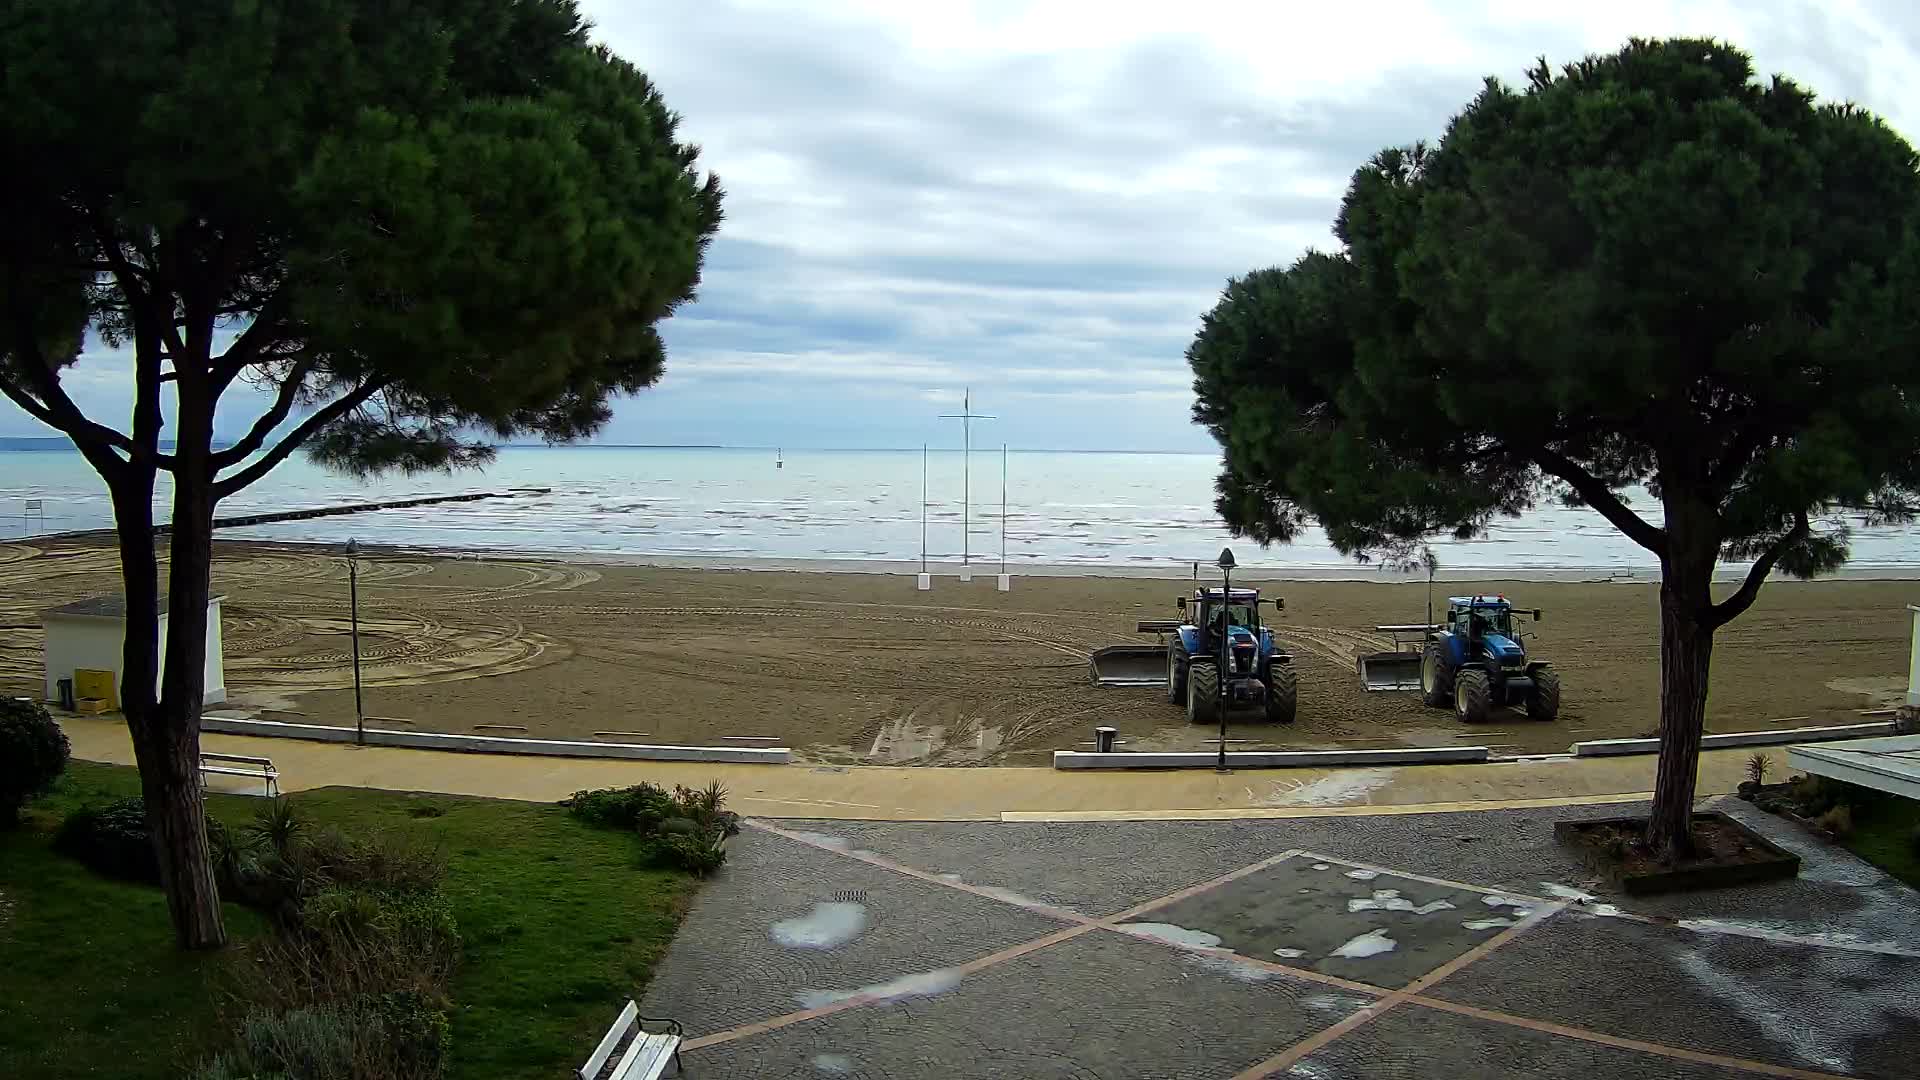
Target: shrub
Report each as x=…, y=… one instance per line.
x=681, y=831
x=417, y=1031
x=707, y=806
x=346, y=945
x=381, y=861
x=641, y=807
x=1813, y=795
x=700, y=855
x=1757, y=768
x=398, y=1036
x=275, y=826
x=111, y=840
x=33, y=754
x=1838, y=820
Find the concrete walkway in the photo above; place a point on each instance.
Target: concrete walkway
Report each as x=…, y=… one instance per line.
x=949, y=794
x=1427, y=945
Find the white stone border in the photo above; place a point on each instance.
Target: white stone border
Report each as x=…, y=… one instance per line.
x=494, y=744
x=1272, y=759
x=1611, y=747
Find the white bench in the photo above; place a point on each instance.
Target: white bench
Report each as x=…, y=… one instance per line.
x=258, y=768
x=647, y=1053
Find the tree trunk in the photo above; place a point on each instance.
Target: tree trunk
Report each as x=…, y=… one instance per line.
x=1686, y=652
x=178, y=814
x=166, y=740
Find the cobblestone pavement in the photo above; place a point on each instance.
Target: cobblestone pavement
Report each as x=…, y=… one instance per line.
x=1429, y=945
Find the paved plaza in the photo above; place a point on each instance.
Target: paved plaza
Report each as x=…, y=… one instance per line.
x=1418, y=945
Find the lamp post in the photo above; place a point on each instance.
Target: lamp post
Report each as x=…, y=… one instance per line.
x=353, y=624
x=1226, y=648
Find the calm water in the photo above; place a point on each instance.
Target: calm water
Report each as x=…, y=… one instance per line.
x=1093, y=511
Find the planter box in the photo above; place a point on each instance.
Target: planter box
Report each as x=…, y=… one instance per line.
x=1767, y=861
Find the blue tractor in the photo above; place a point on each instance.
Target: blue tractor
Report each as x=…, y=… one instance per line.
x=1475, y=662
x=1222, y=627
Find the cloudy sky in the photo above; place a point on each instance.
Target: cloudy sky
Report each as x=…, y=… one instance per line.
x=1037, y=200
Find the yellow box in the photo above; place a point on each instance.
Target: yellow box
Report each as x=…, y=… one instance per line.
x=97, y=684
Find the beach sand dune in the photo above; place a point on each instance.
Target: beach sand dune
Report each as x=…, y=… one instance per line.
x=849, y=668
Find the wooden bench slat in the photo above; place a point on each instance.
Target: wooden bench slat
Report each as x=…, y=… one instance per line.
x=647, y=1058
x=208, y=755
x=629, y=1016
x=261, y=769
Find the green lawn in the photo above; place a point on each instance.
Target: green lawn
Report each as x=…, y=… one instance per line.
x=1884, y=828
x=560, y=927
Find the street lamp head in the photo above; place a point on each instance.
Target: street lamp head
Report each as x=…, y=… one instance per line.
x=353, y=548
x=1226, y=559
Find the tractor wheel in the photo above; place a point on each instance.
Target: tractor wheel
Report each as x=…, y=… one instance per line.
x=1176, y=672
x=1543, y=701
x=1203, y=693
x=1283, y=693
x=1436, y=682
x=1471, y=692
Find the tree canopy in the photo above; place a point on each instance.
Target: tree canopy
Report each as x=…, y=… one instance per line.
x=416, y=225
x=1650, y=269
x=1647, y=270
x=429, y=222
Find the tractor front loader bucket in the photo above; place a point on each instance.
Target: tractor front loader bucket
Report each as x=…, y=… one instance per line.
x=1389, y=671
x=1129, y=665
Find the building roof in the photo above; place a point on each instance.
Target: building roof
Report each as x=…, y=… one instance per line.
x=113, y=606
x=1889, y=763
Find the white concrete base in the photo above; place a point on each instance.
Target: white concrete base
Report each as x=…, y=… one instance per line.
x=1613, y=747
x=1272, y=759
x=923, y=582
x=494, y=744
x=966, y=575
x=1004, y=583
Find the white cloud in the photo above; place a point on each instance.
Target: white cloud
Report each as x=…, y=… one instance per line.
x=1038, y=199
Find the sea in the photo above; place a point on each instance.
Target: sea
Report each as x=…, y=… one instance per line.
x=1031, y=511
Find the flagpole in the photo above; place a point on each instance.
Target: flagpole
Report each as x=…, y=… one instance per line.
x=1003, y=508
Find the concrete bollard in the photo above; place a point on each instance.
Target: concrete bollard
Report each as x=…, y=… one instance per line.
x=1103, y=739
x=1004, y=583
x=923, y=582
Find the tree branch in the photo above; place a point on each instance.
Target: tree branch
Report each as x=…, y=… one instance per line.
x=263, y=426
x=246, y=348
x=28, y=405
x=129, y=278
x=1601, y=498
x=1740, y=452
x=57, y=410
x=321, y=417
x=1731, y=608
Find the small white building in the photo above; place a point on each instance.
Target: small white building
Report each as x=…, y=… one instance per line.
x=90, y=634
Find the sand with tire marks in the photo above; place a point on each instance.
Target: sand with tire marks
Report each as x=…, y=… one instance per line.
x=851, y=668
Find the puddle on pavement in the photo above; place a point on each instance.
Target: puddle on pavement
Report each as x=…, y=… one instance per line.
x=1372, y=943
x=828, y=926
x=1342, y=788
x=1487, y=924
x=917, y=985
x=1173, y=935
x=1391, y=900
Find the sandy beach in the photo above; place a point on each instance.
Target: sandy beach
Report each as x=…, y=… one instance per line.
x=861, y=668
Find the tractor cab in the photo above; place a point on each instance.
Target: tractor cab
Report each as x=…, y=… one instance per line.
x=1216, y=612
x=1485, y=623
x=1476, y=661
